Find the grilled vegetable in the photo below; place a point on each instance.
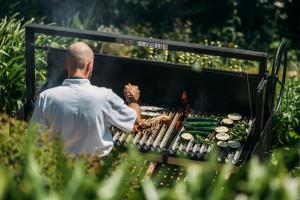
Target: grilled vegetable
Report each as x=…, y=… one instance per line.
x=235, y=116
x=151, y=108
x=201, y=119
x=150, y=114
x=202, y=124
x=227, y=121
x=200, y=139
x=146, y=123
x=239, y=131
x=222, y=144
x=186, y=136
x=202, y=133
x=222, y=136
x=194, y=128
x=234, y=144
x=221, y=129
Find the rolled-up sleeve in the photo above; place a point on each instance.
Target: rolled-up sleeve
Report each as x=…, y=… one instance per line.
x=38, y=115
x=119, y=114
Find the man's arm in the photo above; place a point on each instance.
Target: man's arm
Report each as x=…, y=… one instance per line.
x=120, y=114
x=132, y=97
x=137, y=108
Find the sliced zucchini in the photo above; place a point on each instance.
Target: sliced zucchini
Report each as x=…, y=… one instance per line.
x=222, y=144
x=202, y=123
x=194, y=128
x=227, y=121
x=186, y=136
x=234, y=144
x=222, y=136
x=201, y=133
x=221, y=129
x=235, y=116
x=201, y=119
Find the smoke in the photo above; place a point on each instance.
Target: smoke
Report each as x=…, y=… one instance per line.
x=89, y=14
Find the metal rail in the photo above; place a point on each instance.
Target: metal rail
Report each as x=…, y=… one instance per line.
x=147, y=42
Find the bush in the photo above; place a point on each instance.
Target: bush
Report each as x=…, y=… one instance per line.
x=12, y=63
x=287, y=120
x=38, y=170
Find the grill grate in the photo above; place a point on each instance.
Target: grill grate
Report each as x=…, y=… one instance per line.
x=200, y=149
x=166, y=139
x=154, y=138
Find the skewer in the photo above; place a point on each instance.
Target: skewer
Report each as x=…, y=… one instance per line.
x=149, y=142
x=161, y=132
x=116, y=135
x=209, y=148
x=170, y=130
x=123, y=137
x=229, y=156
x=158, y=137
x=175, y=145
x=180, y=149
x=136, y=137
x=237, y=155
x=144, y=137
x=222, y=154
x=194, y=150
x=176, y=142
x=151, y=137
x=188, y=147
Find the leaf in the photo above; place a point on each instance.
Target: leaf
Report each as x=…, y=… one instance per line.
x=3, y=52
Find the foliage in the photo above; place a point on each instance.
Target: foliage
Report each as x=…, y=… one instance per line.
x=38, y=169
x=287, y=120
x=180, y=32
x=12, y=64
x=12, y=61
x=250, y=24
x=21, y=148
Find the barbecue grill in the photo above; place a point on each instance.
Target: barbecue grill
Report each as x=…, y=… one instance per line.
x=209, y=93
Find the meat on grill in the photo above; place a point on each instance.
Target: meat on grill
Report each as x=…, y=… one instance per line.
x=162, y=119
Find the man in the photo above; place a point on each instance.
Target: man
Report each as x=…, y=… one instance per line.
x=81, y=114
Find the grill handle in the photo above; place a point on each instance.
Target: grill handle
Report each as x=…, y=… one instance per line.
x=279, y=60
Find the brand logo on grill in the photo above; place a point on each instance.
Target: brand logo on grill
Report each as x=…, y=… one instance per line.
x=142, y=43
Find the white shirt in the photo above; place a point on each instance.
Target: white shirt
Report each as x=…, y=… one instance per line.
x=83, y=114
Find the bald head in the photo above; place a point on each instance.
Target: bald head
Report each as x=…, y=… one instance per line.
x=79, y=55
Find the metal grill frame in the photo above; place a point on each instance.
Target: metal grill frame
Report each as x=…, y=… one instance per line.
x=263, y=116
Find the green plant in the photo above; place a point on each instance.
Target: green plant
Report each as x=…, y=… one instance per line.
x=287, y=120
x=38, y=169
x=12, y=71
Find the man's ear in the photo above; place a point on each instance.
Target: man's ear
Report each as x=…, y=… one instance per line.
x=89, y=68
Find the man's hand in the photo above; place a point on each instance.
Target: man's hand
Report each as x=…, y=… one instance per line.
x=132, y=96
x=131, y=92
